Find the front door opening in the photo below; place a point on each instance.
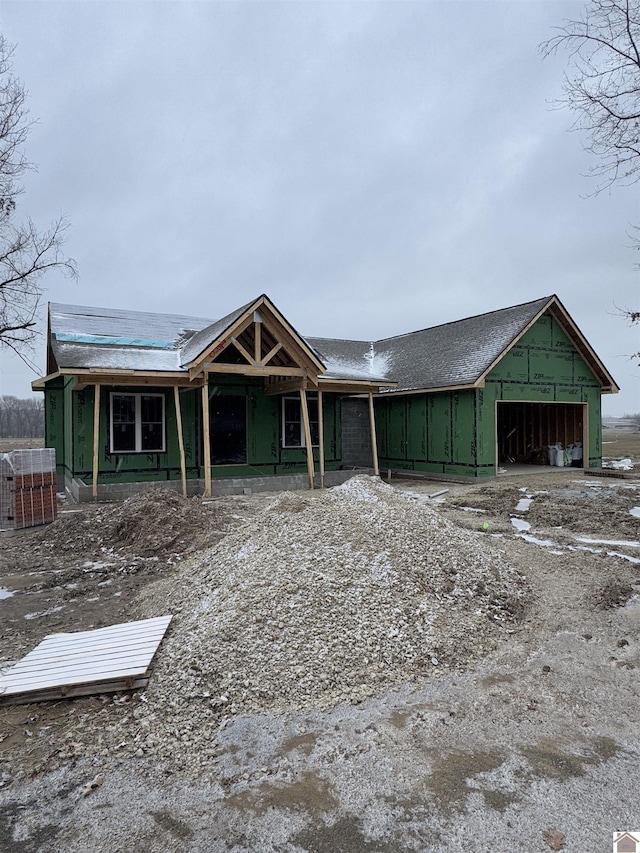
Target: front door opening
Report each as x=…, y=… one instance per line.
x=228, y=429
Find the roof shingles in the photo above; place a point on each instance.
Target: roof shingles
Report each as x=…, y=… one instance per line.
x=455, y=354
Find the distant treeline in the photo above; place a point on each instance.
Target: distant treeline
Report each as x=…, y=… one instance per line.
x=21, y=418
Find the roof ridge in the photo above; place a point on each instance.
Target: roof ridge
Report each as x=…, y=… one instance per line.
x=342, y=340
x=542, y=300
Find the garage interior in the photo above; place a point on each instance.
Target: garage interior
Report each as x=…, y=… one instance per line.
x=526, y=430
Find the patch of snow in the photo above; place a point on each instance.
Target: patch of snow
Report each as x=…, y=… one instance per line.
x=519, y=524
x=375, y=365
x=378, y=362
x=618, y=464
x=635, y=511
x=623, y=556
x=585, y=548
x=5, y=593
x=545, y=543
x=472, y=509
x=43, y=612
x=629, y=544
x=524, y=504
x=97, y=566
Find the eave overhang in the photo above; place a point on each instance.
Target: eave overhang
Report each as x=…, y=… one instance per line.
x=98, y=376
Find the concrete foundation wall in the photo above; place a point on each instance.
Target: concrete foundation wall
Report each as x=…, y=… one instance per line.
x=79, y=492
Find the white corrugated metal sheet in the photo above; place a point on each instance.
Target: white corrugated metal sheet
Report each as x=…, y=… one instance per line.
x=102, y=660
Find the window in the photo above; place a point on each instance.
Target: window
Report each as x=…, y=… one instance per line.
x=137, y=423
x=292, y=425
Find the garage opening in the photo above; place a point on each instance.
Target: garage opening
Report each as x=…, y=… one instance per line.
x=525, y=431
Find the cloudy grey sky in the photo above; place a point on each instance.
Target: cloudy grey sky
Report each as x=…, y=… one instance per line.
x=374, y=167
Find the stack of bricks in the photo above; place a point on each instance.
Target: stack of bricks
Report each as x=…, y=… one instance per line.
x=27, y=488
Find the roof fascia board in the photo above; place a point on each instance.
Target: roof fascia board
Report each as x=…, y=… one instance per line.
x=52, y=364
x=114, y=376
x=353, y=386
x=401, y=392
x=300, y=341
x=234, y=328
x=583, y=346
x=39, y=384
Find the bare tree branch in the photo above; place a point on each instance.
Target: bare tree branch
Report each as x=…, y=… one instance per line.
x=26, y=253
x=603, y=88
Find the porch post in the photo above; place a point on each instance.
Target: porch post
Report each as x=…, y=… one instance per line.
x=96, y=437
x=374, y=440
x=183, y=467
x=205, y=438
x=307, y=435
x=321, y=439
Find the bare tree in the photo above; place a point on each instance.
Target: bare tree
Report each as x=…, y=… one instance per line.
x=25, y=252
x=603, y=86
x=21, y=418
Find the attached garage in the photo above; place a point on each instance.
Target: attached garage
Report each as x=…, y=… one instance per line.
x=490, y=390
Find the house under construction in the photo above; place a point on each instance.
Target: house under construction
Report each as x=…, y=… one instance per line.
x=246, y=402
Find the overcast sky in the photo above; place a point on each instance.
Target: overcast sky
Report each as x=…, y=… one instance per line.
x=373, y=167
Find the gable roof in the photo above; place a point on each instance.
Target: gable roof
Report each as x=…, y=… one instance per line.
x=249, y=322
x=459, y=354
x=452, y=355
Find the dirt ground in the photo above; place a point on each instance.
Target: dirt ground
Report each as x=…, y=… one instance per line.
x=534, y=746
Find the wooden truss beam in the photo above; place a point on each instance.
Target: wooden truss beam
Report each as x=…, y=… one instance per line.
x=250, y=370
x=273, y=351
x=285, y=387
x=243, y=352
x=257, y=337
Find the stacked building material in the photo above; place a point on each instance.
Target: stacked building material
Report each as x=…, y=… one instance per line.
x=27, y=488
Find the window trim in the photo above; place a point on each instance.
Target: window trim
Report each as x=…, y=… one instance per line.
x=137, y=395
x=303, y=445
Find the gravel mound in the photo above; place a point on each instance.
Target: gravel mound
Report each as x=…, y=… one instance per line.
x=325, y=598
